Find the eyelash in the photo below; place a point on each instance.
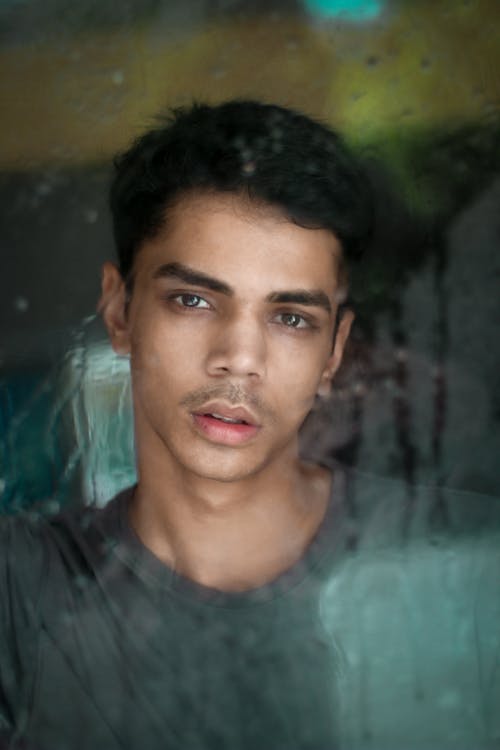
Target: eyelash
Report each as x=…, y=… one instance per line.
x=308, y=323
x=176, y=297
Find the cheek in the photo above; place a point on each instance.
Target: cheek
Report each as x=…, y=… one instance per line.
x=298, y=383
x=157, y=347
x=153, y=371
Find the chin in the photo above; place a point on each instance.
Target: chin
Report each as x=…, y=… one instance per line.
x=225, y=474
x=225, y=466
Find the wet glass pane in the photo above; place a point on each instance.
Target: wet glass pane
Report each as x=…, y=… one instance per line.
x=409, y=616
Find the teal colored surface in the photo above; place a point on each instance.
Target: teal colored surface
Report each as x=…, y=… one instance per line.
x=354, y=10
x=31, y=457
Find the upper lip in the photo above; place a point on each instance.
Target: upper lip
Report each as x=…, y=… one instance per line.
x=230, y=412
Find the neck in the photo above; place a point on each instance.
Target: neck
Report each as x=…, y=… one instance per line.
x=229, y=535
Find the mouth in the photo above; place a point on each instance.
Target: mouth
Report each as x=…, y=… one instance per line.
x=227, y=420
x=226, y=425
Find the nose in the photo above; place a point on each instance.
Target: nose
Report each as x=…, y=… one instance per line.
x=238, y=348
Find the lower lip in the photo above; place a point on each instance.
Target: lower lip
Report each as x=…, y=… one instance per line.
x=224, y=432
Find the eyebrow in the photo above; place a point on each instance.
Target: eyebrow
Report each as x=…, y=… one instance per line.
x=308, y=297
x=193, y=277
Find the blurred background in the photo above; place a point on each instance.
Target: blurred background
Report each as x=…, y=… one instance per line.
x=414, y=87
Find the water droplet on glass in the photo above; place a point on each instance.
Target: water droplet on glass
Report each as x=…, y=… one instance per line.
x=218, y=72
x=118, y=77
x=21, y=304
x=43, y=188
x=248, y=168
x=91, y=215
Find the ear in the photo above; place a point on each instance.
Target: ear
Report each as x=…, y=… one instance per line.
x=333, y=364
x=113, y=307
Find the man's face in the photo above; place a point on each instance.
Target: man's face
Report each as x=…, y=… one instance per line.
x=229, y=330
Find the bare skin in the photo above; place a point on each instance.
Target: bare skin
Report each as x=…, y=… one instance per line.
x=229, y=332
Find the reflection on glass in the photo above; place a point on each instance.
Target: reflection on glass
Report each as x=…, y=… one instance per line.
x=398, y=637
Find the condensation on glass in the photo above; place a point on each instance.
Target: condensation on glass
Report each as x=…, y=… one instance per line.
x=414, y=87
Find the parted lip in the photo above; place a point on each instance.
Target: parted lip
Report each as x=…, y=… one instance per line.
x=222, y=409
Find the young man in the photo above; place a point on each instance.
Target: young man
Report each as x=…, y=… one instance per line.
x=230, y=226
x=205, y=608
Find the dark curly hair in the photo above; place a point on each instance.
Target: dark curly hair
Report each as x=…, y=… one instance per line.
x=272, y=154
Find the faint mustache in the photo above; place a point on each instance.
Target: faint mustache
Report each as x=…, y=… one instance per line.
x=234, y=395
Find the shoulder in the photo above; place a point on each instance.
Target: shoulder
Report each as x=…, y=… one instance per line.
x=434, y=546
x=22, y=542
x=23, y=570
x=386, y=510
x=37, y=549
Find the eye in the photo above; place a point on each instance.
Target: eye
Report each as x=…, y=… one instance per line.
x=293, y=320
x=191, y=300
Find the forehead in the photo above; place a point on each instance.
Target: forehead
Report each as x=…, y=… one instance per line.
x=243, y=243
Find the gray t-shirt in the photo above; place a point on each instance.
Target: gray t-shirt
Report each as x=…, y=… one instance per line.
x=386, y=634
